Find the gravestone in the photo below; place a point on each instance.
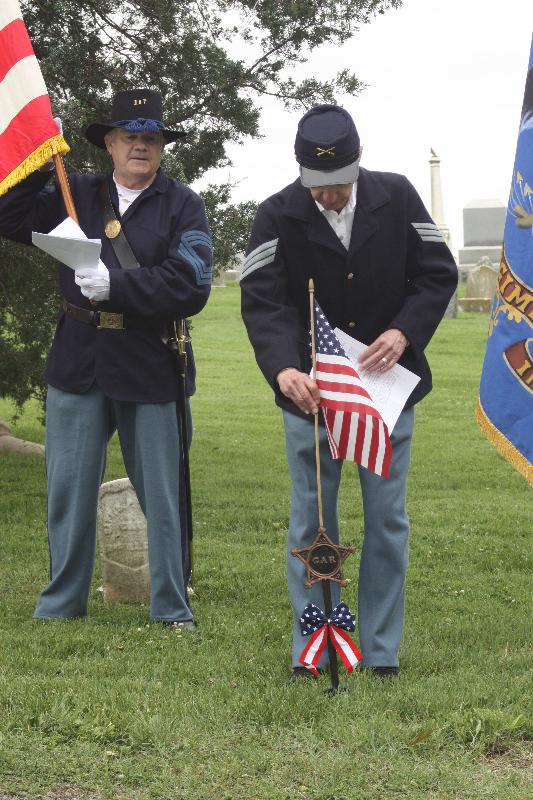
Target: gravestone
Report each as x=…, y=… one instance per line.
x=480, y=287
x=10, y=443
x=482, y=280
x=123, y=544
x=484, y=224
x=232, y=274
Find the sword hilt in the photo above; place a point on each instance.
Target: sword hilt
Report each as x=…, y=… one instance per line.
x=181, y=339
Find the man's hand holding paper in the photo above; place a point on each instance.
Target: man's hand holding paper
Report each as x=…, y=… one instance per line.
x=388, y=388
x=68, y=243
x=384, y=352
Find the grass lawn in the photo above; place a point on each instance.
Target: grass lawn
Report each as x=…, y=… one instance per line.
x=117, y=708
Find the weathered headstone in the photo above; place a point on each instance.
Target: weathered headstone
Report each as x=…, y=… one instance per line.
x=480, y=287
x=481, y=282
x=123, y=543
x=232, y=274
x=10, y=443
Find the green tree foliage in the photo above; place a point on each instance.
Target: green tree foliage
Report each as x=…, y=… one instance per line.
x=230, y=224
x=212, y=60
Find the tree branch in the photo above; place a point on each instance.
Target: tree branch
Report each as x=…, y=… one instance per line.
x=275, y=49
x=96, y=12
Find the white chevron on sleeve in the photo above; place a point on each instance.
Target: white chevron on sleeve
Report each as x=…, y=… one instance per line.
x=260, y=257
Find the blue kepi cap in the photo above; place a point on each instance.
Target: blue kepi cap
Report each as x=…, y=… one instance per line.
x=327, y=147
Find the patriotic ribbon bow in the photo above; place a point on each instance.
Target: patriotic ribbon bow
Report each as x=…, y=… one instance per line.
x=315, y=624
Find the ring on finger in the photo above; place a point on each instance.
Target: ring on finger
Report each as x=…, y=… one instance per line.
x=384, y=361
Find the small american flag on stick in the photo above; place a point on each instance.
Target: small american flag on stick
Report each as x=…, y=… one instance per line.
x=356, y=431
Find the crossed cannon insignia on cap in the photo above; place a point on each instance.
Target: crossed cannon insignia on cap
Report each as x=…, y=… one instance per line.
x=325, y=151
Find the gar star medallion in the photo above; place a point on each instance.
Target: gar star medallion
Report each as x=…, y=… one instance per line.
x=323, y=559
x=112, y=228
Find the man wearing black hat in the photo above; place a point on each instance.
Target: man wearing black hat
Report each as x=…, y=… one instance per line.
x=384, y=275
x=110, y=367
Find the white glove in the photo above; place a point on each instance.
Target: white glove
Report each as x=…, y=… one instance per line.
x=93, y=284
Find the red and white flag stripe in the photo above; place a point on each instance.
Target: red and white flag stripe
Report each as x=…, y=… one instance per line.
x=342, y=642
x=310, y=655
x=361, y=438
x=356, y=431
x=341, y=386
x=28, y=133
x=345, y=647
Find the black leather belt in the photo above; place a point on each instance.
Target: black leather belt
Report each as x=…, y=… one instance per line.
x=110, y=320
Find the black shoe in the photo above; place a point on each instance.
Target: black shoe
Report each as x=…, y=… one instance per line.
x=302, y=674
x=385, y=672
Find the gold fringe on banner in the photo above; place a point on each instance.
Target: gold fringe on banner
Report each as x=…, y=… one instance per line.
x=503, y=445
x=54, y=146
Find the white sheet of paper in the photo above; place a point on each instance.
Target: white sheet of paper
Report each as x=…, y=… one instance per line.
x=389, y=391
x=68, y=243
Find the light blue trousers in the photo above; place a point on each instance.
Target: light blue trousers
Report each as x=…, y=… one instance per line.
x=78, y=428
x=384, y=554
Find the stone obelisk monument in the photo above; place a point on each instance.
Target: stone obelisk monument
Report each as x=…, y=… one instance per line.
x=437, y=207
x=437, y=212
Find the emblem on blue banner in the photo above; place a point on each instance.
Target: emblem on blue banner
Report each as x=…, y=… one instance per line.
x=505, y=406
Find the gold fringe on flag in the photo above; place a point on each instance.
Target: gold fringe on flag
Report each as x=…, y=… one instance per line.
x=503, y=445
x=54, y=146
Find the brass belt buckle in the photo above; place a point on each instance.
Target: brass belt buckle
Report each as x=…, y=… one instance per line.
x=108, y=319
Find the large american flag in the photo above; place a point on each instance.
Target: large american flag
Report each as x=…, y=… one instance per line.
x=28, y=133
x=356, y=431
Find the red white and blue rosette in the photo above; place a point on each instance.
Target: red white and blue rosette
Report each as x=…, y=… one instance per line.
x=337, y=627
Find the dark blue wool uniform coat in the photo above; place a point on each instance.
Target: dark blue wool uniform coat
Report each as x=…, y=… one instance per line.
x=397, y=273
x=167, y=230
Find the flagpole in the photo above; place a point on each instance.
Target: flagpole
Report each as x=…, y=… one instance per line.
x=326, y=584
x=66, y=194
x=313, y=359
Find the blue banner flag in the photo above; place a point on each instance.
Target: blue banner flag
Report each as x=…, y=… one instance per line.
x=505, y=406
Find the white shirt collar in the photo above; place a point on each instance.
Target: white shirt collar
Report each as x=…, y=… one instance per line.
x=125, y=191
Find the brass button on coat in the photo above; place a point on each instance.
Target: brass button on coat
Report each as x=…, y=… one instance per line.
x=349, y=276
x=112, y=228
x=351, y=324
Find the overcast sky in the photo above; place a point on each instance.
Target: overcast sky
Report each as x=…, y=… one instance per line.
x=446, y=74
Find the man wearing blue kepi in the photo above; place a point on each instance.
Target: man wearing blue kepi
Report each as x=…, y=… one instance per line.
x=110, y=367
x=382, y=274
